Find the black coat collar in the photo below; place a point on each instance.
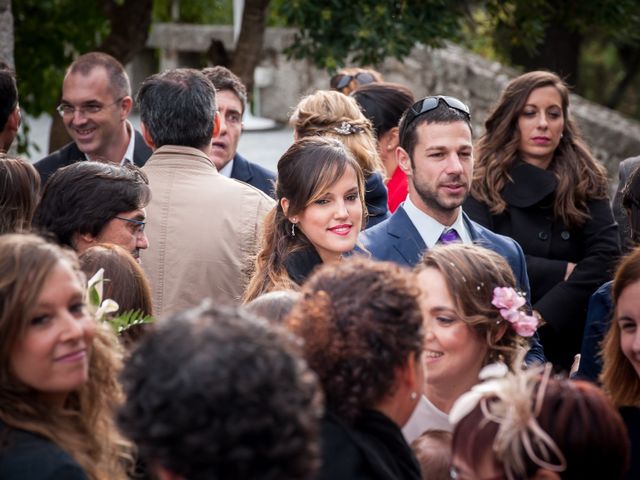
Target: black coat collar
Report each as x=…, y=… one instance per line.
x=529, y=186
x=300, y=264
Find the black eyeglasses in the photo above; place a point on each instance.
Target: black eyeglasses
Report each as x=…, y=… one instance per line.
x=341, y=80
x=426, y=105
x=139, y=224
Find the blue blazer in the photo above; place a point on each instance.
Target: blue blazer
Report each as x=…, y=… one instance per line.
x=254, y=175
x=397, y=240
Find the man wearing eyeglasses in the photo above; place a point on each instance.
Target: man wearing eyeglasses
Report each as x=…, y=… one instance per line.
x=436, y=154
x=87, y=203
x=231, y=97
x=96, y=101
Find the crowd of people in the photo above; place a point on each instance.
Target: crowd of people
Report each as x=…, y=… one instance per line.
x=396, y=301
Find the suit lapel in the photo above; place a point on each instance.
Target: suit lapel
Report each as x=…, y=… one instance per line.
x=241, y=170
x=405, y=238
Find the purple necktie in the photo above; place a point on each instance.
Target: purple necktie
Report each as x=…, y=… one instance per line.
x=449, y=236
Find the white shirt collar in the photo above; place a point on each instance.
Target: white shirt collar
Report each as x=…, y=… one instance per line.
x=128, y=155
x=226, y=170
x=430, y=229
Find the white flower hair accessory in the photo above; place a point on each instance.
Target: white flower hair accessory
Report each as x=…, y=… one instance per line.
x=510, y=399
x=346, y=128
x=97, y=306
x=510, y=302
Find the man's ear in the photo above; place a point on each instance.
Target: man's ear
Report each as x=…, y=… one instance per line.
x=147, y=137
x=82, y=241
x=404, y=161
x=15, y=119
x=126, y=106
x=216, y=124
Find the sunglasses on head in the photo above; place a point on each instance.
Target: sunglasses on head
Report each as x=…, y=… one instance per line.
x=341, y=80
x=431, y=103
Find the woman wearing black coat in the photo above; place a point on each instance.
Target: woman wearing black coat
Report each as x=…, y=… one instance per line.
x=536, y=181
x=361, y=327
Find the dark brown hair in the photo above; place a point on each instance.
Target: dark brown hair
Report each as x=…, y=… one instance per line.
x=360, y=322
x=305, y=171
x=580, y=176
x=19, y=192
x=618, y=376
x=224, y=79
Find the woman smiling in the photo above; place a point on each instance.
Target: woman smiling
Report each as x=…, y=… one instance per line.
x=317, y=218
x=472, y=316
x=57, y=370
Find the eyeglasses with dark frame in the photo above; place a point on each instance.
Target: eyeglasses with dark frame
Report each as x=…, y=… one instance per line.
x=139, y=224
x=66, y=110
x=341, y=80
x=431, y=103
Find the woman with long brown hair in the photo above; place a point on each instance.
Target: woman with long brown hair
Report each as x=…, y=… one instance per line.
x=317, y=218
x=333, y=115
x=58, y=370
x=536, y=181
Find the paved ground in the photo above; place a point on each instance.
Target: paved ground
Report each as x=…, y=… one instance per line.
x=263, y=147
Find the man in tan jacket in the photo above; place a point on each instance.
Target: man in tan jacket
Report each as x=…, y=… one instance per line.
x=202, y=227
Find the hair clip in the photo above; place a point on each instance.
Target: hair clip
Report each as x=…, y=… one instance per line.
x=509, y=302
x=346, y=128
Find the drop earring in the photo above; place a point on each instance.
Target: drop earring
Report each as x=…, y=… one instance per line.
x=293, y=229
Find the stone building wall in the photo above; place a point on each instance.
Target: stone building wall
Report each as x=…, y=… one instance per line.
x=450, y=70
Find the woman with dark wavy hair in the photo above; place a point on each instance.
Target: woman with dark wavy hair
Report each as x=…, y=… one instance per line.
x=536, y=181
x=58, y=370
x=362, y=331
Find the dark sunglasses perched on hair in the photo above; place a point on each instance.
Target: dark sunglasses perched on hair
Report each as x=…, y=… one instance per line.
x=431, y=103
x=341, y=80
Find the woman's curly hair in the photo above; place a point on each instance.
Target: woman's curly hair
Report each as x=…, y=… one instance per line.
x=360, y=322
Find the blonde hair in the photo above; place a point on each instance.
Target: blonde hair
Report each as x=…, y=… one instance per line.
x=324, y=112
x=471, y=272
x=618, y=376
x=84, y=426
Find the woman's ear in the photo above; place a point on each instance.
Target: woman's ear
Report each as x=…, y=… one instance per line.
x=500, y=331
x=284, y=204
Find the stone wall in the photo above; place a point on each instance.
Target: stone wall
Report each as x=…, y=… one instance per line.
x=451, y=70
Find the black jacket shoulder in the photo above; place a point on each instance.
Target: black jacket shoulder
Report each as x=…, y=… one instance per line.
x=26, y=456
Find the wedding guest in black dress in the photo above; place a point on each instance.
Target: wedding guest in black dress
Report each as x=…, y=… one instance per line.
x=536, y=181
x=362, y=331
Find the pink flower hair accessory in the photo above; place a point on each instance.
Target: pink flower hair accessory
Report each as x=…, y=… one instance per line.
x=510, y=302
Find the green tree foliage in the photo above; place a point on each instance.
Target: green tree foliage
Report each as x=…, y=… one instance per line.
x=332, y=32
